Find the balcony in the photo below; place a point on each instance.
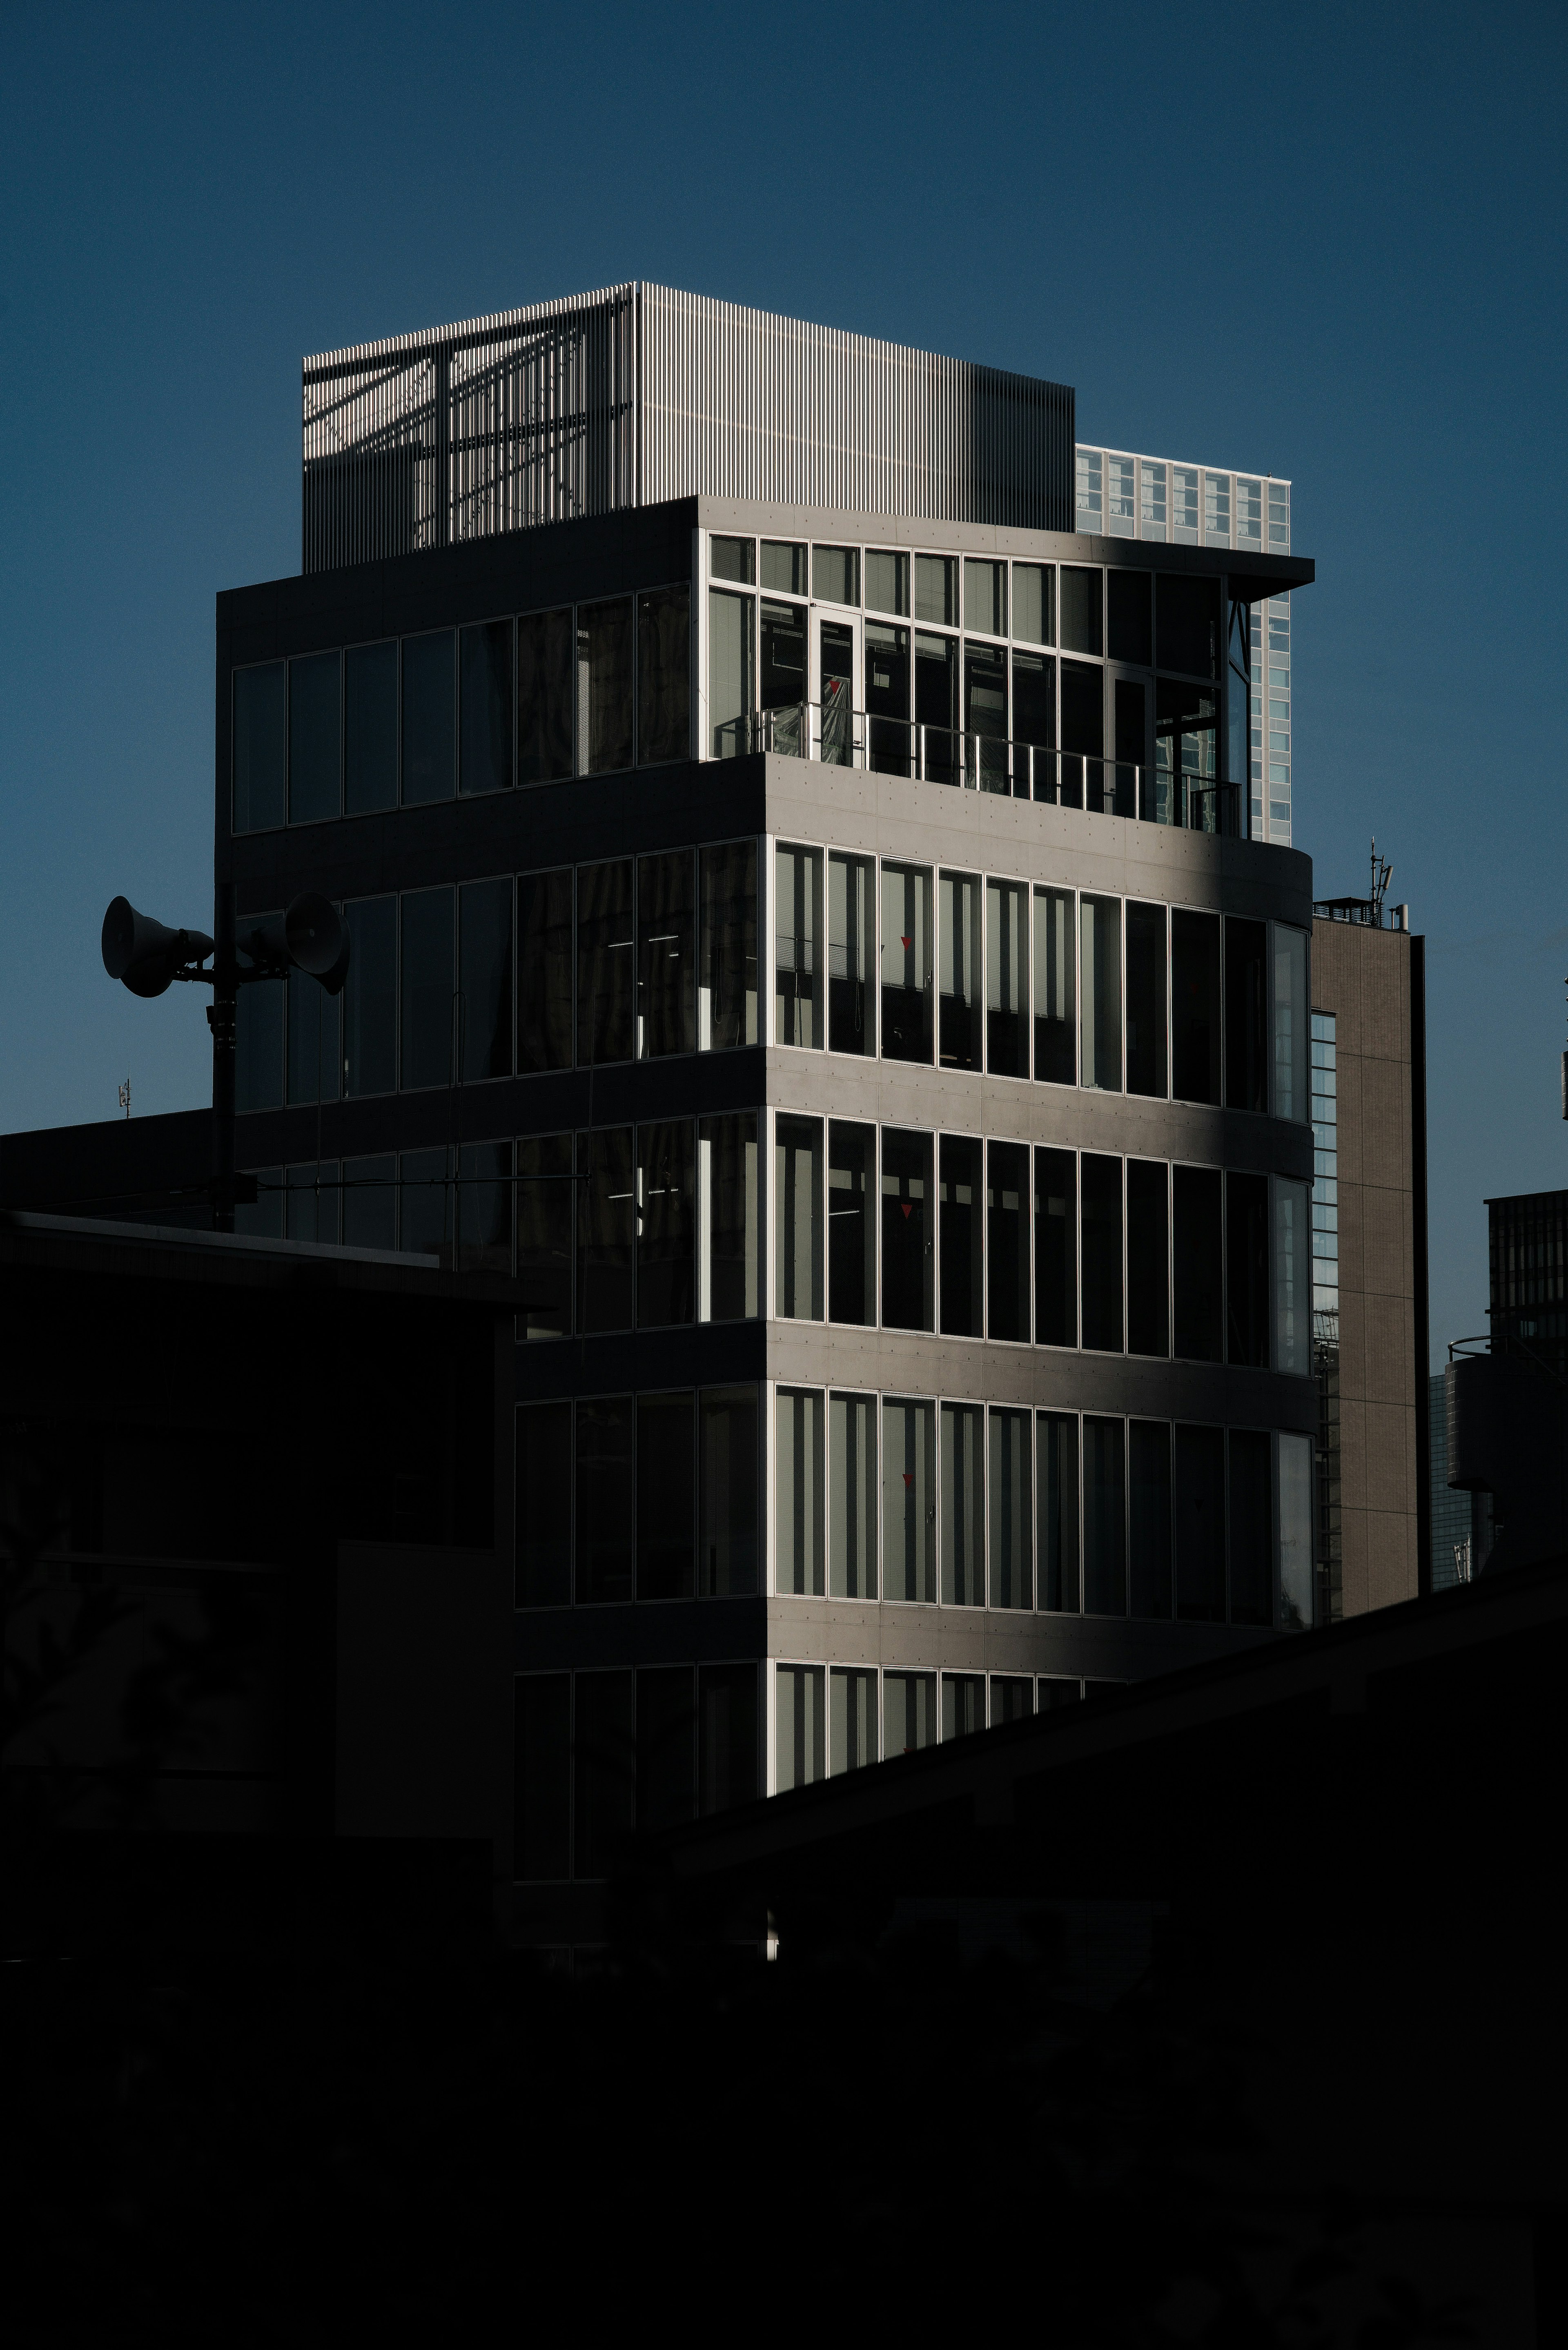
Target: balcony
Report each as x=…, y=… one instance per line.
x=840, y=736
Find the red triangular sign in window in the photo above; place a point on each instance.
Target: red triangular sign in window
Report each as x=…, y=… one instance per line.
x=908, y=1476
x=908, y=1206
x=906, y=943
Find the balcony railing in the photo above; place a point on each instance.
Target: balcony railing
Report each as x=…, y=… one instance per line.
x=841, y=737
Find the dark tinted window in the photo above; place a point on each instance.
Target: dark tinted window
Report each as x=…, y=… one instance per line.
x=1148, y=1516
x=1246, y=1014
x=544, y=697
x=1057, y=1481
x=1195, y=1006
x=261, y=697
x=604, y=1781
x=667, y=955
x=313, y=738
x=1081, y=610
x=728, y=1493
x=908, y=1231
x=484, y=672
x=1201, y=1525
x=1187, y=625
x=544, y=971
x=370, y=997
x=1146, y=998
x=667, y=1497
x=1194, y=1217
x=664, y=675
x=1247, y=1270
x=1105, y=1504
x=605, y=992
x=1102, y=1242
x=1252, y=1528
x=428, y=717
x=666, y=1748
x=1148, y=1256
x=728, y=1737
x=851, y=1228
x=427, y=989
x=1129, y=635
x=1055, y=1249
x=1007, y=1240
x=543, y=1516
x=666, y=1264
x=1083, y=710
x=370, y=727
x=545, y=1190
x=604, y=687
x=485, y=1001
x=961, y=1236
x=604, y=1524
x=607, y=1227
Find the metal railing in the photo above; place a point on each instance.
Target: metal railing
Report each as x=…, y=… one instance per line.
x=840, y=736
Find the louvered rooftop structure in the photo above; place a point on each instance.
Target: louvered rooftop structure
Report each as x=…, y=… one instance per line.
x=640, y=394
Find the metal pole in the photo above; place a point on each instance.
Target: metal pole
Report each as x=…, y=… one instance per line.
x=225, y=990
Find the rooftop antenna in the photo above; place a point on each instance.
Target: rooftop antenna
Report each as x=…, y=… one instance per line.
x=125, y=1098
x=1382, y=873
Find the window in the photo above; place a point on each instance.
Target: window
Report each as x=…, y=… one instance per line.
x=1105, y=1518
x=1007, y=978
x=315, y=738
x=545, y=1190
x=735, y=559
x=1102, y=992
x=909, y=1712
x=797, y=1000
x=1081, y=619
x=1102, y=1243
x=851, y=927
x=605, y=992
x=784, y=679
x=1090, y=511
x=315, y=1040
x=727, y=972
x=1216, y=509
x=1291, y=1044
x=1034, y=723
x=936, y=589
x=1152, y=479
x=729, y=1492
x=1292, y=1329
x=1184, y=505
x=370, y=1202
x=1055, y=962
x=310, y=1203
x=1201, y=1525
x=1011, y=1512
x=960, y=1032
x=603, y=1777
x=541, y=1518
x=887, y=581
x=603, y=1547
x=544, y=971
x=666, y=1185
x=1146, y=998
x=887, y=700
x=731, y=691
x=607, y=1227
x=783, y=567
x=481, y=1223
x=1034, y=602
x=666, y=1496
x=424, y=1202
x=1056, y=1248
x=1056, y=1444
x=1187, y=624
x=1248, y=513
x=799, y=1759
x=908, y=1503
x=963, y=1704
x=1252, y=1528
x=1246, y=981
x=1121, y=497
x=664, y=676
x=728, y=1737
x=542, y=1777
x=1247, y=1270
x=852, y=1719
x=906, y=963
x=961, y=1236
x=426, y=994
x=666, y=955
x=985, y=597
x=962, y=1486
x=1195, y=1006
x=485, y=979
x=852, y=1496
x=836, y=575
x=851, y=1225
x=485, y=707
x=1195, y=1256
x=545, y=747
x=1007, y=1241
x=1295, y=1509
x=798, y=1491
x=1149, y=1258
x=1279, y=515
x=1130, y=633
x=729, y=1213
x=428, y=717
x=936, y=707
x=908, y=1231
x=666, y=1748
x=797, y=1219
x=261, y=699
x=604, y=687
x=1083, y=726
x=370, y=728
x=1148, y=1517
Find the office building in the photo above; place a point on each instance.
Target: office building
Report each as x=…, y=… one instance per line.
x=1369, y=1256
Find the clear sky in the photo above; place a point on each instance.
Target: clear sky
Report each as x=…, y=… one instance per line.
x=1325, y=241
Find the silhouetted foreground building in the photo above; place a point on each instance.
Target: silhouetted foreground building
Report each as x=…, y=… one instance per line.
x=1507, y=1396
x=258, y=1577
x=1370, y=1322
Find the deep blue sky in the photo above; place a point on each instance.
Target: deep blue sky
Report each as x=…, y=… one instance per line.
x=1325, y=241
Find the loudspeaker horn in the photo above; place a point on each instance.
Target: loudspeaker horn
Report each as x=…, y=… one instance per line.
x=144, y=955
